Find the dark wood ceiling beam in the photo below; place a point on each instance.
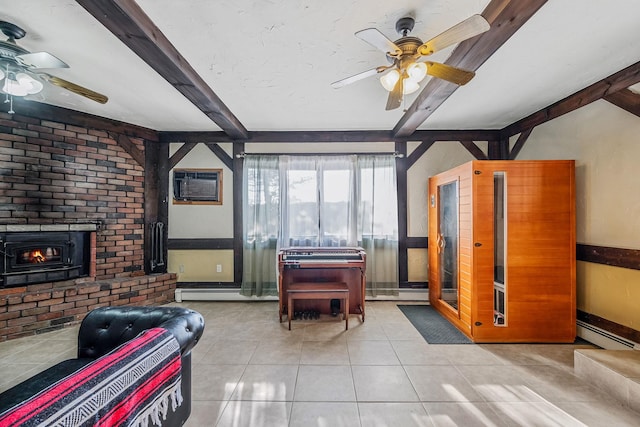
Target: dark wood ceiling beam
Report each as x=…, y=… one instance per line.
x=130, y=147
x=474, y=150
x=605, y=87
x=505, y=18
x=220, y=154
x=331, y=136
x=522, y=138
x=322, y=136
x=194, y=137
x=281, y=136
x=188, y=146
x=418, y=152
x=498, y=149
x=181, y=153
x=625, y=99
x=127, y=21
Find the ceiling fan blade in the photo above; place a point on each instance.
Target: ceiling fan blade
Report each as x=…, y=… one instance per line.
x=77, y=89
x=40, y=60
x=363, y=75
x=378, y=40
x=395, y=96
x=466, y=29
x=449, y=73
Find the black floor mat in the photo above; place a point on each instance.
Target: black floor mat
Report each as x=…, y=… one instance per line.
x=432, y=326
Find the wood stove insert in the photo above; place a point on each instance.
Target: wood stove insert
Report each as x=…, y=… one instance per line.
x=43, y=256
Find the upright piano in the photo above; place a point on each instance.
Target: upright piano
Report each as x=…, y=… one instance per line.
x=317, y=265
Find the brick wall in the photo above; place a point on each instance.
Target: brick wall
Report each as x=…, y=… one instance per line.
x=56, y=173
x=52, y=173
x=44, y=307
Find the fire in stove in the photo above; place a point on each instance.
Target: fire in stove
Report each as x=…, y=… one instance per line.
x=39, y=255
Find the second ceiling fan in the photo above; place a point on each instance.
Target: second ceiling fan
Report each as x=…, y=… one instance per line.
x=408, y=65
x=22, y=73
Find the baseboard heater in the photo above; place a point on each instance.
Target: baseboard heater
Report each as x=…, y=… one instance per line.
x=604, y=339
x=204, y=294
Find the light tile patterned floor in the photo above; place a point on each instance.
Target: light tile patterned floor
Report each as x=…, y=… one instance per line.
x=249, y=370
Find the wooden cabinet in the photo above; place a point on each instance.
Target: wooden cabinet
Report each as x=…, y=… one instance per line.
x=502, y=249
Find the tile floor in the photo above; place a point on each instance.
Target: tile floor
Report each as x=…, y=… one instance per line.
x=249, y=370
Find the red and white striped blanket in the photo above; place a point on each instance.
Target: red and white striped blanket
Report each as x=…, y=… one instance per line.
x=130, y=386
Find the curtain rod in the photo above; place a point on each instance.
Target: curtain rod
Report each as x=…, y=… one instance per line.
x=395, y=154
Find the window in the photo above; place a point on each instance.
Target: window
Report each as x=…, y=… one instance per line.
x=499, y=248
x=319, y=205
x=197, y=186
x=304, y=218
x=319, y=201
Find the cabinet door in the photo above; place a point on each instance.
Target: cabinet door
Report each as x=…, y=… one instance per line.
x=447, y=243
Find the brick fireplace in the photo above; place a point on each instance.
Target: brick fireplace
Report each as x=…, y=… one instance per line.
x=59, y=180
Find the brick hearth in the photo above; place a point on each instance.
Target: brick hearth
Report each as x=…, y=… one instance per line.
x=34, y=309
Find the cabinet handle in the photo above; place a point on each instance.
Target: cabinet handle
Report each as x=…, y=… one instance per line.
x=441, y=243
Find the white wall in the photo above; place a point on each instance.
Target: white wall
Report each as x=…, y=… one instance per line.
x=202, y=221
x=605, y=142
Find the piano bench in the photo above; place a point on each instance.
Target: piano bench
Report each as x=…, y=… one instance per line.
x=318, y=290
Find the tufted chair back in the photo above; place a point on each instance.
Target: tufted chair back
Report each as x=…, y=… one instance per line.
x=105, y=328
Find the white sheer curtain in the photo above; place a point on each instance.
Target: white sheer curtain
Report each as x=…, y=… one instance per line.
x=320, y=201
x=338, y=201
x=260, y=216
x=378, y=222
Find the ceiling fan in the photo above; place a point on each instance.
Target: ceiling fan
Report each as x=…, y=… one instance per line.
x=20, y=70
x=406, y=55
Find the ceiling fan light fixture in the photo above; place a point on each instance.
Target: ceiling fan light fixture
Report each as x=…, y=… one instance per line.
x=417, y=71
x=390, y=79
x=409, y=86
x=408, y=69
x=33, y=85
x=13, y=88
x=21, y=84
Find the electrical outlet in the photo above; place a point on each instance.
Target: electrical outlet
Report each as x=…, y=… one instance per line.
x=181, y=268
x=219, y=268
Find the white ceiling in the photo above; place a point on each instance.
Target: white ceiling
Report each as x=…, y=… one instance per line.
x=272, y=62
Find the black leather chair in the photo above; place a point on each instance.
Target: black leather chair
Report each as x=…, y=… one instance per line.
x=104, y=329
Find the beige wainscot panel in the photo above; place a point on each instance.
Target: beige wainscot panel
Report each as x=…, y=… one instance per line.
x=609, y=292
x=418, y=265
x=202, y=265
